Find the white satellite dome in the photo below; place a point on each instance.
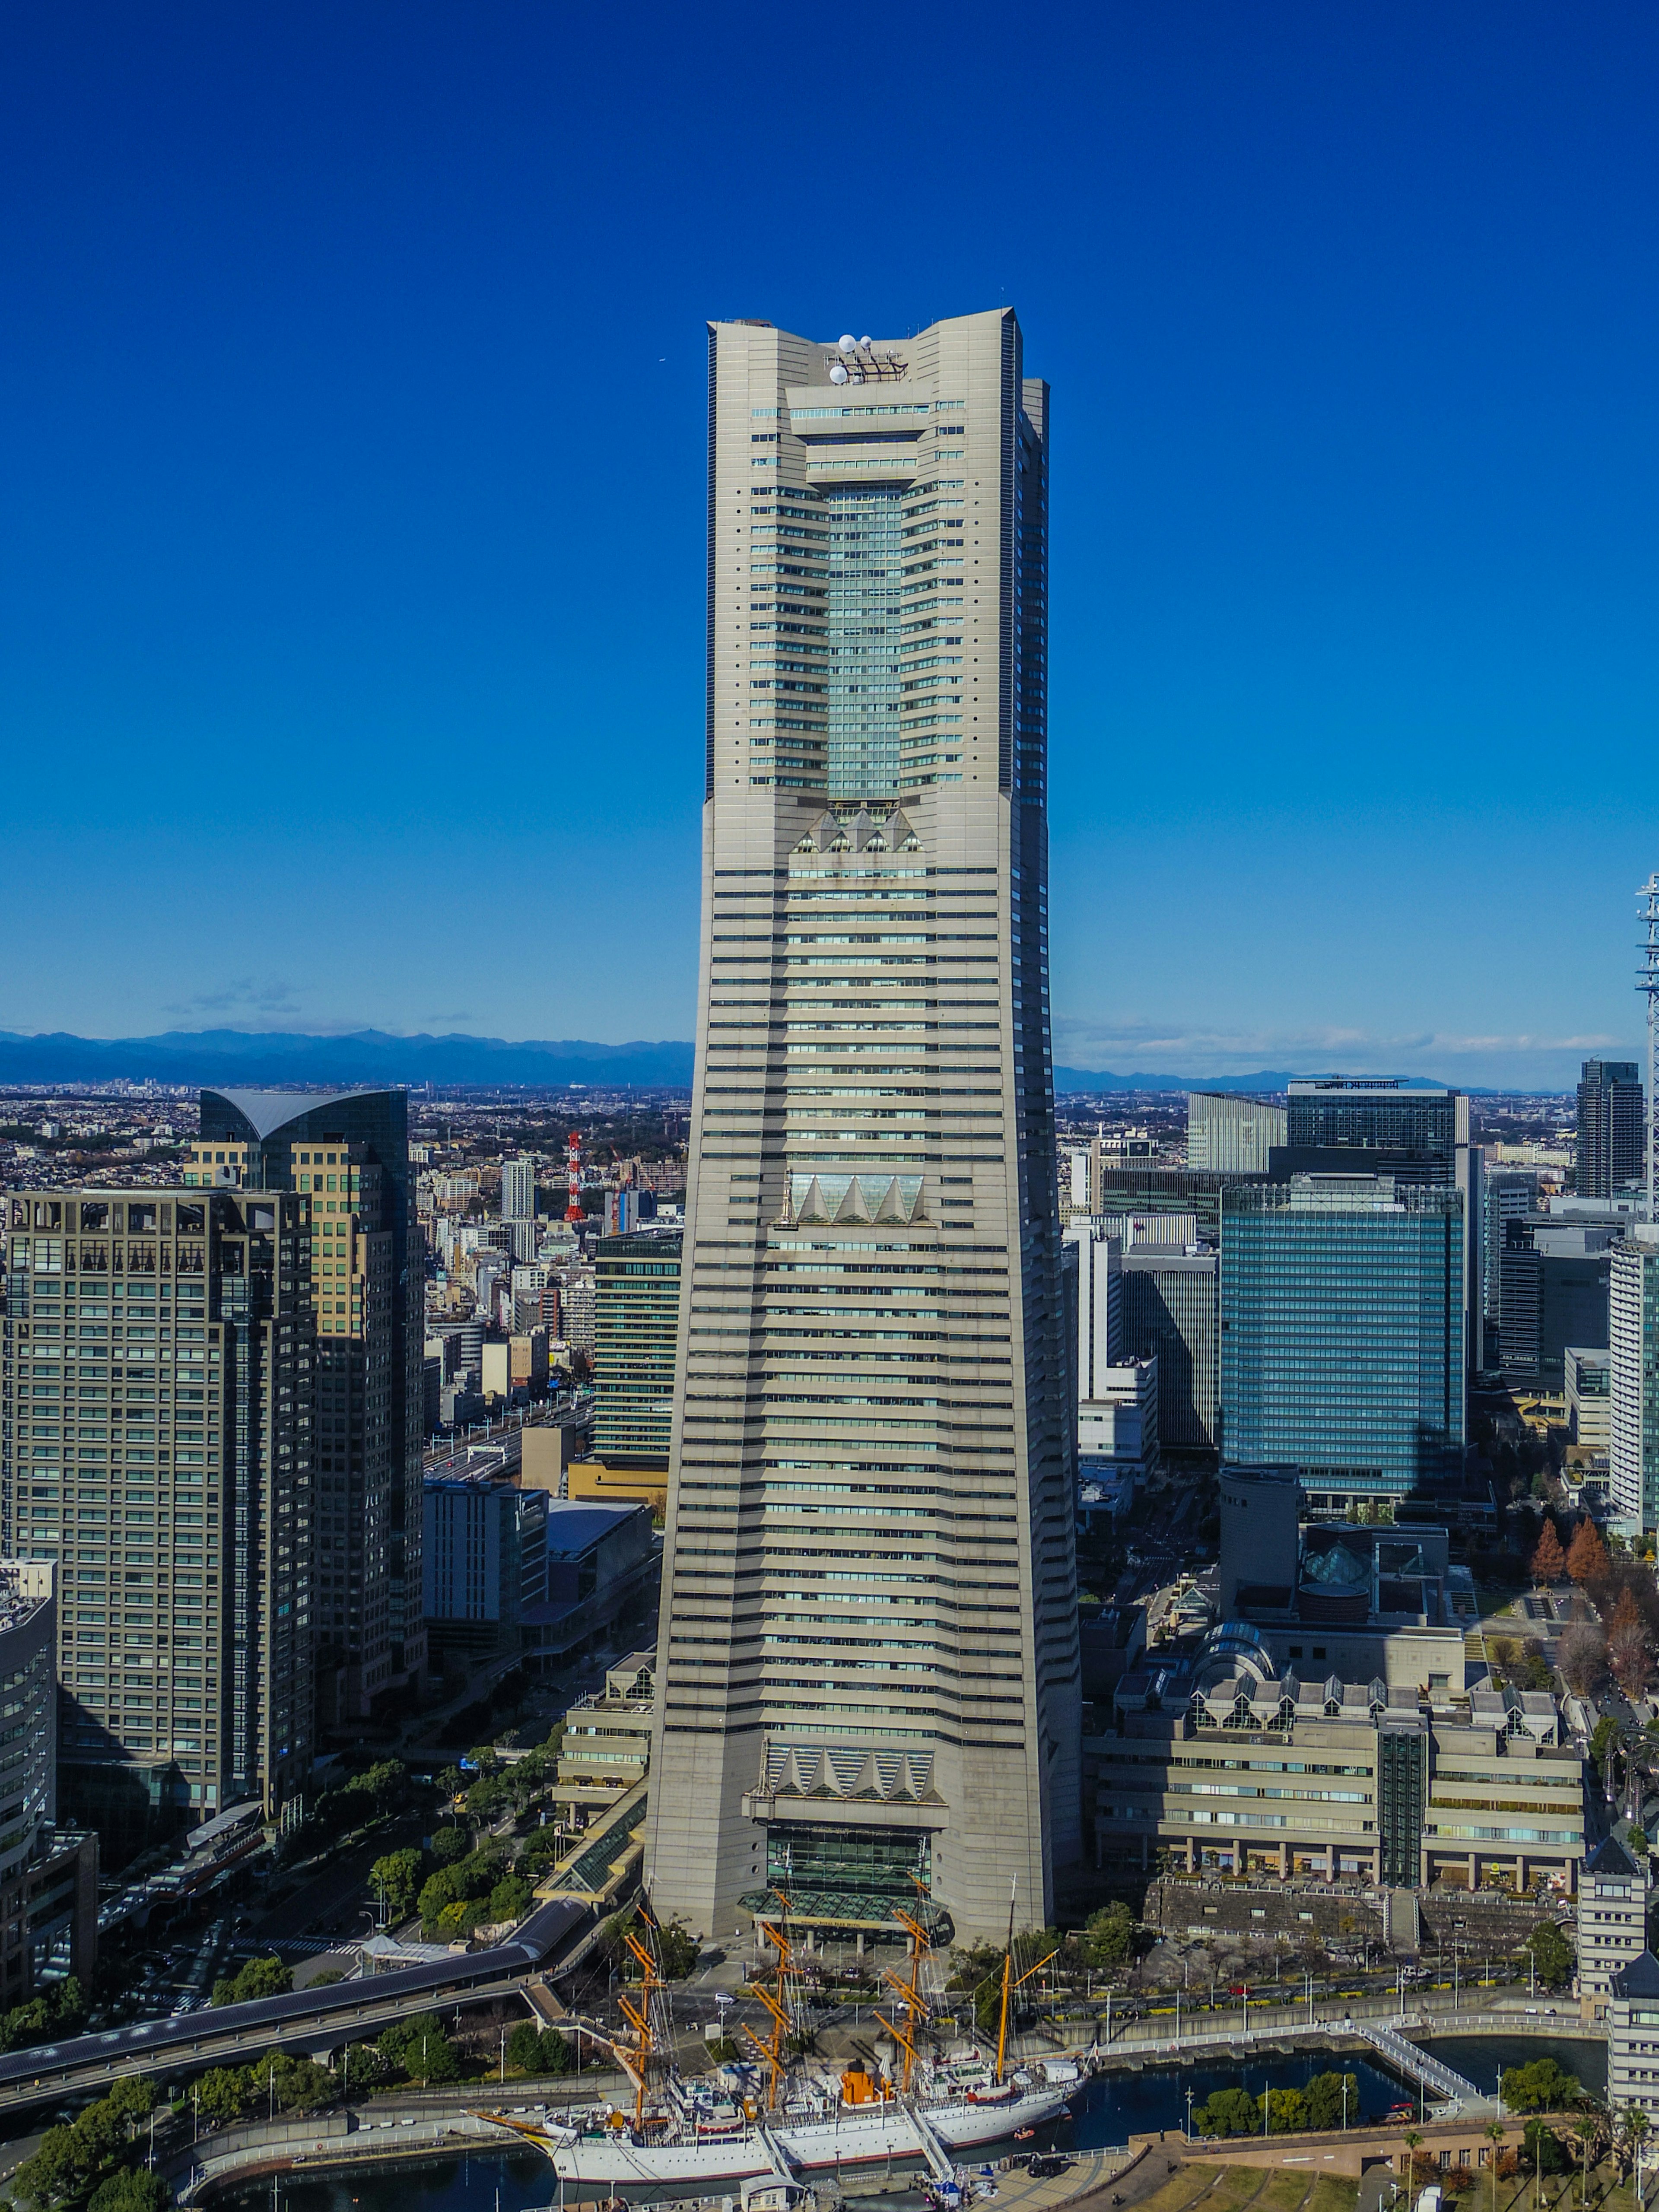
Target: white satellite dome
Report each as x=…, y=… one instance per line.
x=865, y=343
x=848, y=343
x=838, y=374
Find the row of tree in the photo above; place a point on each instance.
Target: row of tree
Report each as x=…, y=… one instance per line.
x=1330, y=2100
x=95, y=2154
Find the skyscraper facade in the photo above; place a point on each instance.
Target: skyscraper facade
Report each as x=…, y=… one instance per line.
x=1169, y=1315
x=1406, y=1127
x=637, y=1329
x=1611, y=1128
x=869, y=1686
x=1633, y=1342
x=1227, y=1135
x=163, y=1340
x=1342, y=1335
x=349, y=1155
x=519, y=1191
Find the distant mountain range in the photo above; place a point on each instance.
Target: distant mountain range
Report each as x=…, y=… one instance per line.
x=262, y=1058
x=244, y=1058
x=1084, y=1078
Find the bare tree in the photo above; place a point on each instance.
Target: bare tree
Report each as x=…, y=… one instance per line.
x=1582, y=1656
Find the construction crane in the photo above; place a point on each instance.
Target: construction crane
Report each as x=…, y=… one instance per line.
x=573, y=1153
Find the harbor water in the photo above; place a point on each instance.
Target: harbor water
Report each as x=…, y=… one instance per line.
x=1106, y=2109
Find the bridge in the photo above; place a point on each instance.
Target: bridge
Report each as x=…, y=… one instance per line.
x=1417, y=2065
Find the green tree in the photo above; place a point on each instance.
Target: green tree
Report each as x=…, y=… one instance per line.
x=259, y=1978
x=677, y=1947
x=437, y=1890
x=327, y=1979
x=128, y=2191
x=1108, y=1937
x=99, y=2135
x=52, y=2171
x=420, y=2048
x=395, y=1879
x=1541, y=2087
x=1553, y=1955
x=1287, y=2113
x=534, y=2051
x=1541, y=2149
x=130, y=2099
x=451, y=1845
x=301, y=2085
x=1228, y=2112
x=1325, y=2100
x=510, y=1899
x=221, y=2092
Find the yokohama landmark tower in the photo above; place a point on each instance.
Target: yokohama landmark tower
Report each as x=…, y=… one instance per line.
x=868, y=1687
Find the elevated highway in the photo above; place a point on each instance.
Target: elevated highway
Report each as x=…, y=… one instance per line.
x=313, y=2020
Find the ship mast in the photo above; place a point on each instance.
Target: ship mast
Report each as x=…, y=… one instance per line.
x=907, y=1988
x=781, y=2006
x=1009, y=1985
x=647, y=2020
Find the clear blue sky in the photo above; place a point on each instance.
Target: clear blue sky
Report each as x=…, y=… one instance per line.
x=351, y=395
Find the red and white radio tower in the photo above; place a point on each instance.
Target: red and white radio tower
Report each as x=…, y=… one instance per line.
x=573, y=1157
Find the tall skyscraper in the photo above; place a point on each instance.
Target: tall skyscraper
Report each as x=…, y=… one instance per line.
x=349, y=1154
x=519, y=1191
x=1410, y=1129
x=869, y=1688
x=1342, y=1335
x=164, y=1340
x=636, y=1330
x=1611, y=1128
x=1633, y=1341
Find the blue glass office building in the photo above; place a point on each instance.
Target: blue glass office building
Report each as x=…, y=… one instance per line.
x=1342, y=1334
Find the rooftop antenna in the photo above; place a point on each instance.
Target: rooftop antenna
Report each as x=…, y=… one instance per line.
x=1647, y=982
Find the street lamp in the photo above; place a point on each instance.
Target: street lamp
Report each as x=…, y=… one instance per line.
x=1189, y=2116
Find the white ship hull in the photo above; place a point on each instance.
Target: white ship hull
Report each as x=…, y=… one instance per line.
x=854, y=2137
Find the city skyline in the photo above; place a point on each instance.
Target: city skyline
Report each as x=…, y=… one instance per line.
x=1351, y=563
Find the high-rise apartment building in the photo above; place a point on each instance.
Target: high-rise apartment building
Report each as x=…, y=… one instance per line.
x=1099, y=1342
x=1510, y=1196
x=163, y=1340
x=637, y=1329
x=1342, y=1334
x=1612, y=1128
x=1226, y=1134
x=349, y=1156
x=868, y=1656
x=1634, y=1343
x=518, y=1191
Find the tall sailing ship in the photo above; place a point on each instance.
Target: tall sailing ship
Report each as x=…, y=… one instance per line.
x=697, y=2133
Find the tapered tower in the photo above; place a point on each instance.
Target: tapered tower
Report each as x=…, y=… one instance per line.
x=869, y=1685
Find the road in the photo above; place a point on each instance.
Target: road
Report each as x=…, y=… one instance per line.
x=332, y=1902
